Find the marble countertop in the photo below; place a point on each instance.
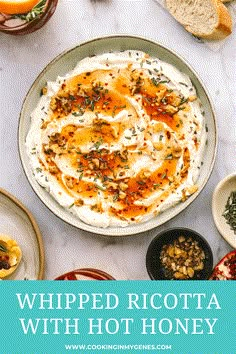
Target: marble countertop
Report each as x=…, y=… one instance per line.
x=21, y=60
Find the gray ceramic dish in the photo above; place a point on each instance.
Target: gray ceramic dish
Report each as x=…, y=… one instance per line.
x=64, y=63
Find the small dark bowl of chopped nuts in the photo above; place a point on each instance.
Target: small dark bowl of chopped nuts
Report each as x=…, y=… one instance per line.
x=179, y=254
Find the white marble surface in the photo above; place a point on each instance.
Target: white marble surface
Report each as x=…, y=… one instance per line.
x=21, y=60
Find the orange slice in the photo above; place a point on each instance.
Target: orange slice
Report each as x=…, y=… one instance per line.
x=12, y=7
x=10, y=256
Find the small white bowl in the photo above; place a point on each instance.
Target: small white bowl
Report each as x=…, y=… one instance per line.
x=219, y=200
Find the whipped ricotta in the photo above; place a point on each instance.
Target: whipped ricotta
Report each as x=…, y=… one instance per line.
x=119, y=139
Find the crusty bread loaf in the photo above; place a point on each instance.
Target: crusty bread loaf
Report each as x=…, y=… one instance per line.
x=208, y=19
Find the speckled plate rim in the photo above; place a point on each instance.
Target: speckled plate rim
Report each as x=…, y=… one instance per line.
x=35, y=227
x=225, y=230
x=118, y=42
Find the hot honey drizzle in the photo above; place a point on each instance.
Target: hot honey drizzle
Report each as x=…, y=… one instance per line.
x=90, y=144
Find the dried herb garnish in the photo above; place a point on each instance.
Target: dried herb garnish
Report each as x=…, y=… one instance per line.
x=230, y=211
x=36, y=11
x=157, y=82
x=163, y=176
x=168, y=157
x=98, y=143
x=102, y=188
x=183, y=83
x=183, y=100
x=2, y=248
x=115, y=197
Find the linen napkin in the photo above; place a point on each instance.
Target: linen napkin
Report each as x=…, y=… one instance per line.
x=214, y=45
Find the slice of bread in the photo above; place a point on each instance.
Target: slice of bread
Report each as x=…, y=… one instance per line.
x=208, y=19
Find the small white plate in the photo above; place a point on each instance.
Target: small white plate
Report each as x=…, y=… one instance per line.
x=18, y=223
x=219, y=200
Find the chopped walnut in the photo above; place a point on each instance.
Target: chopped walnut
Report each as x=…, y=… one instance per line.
x=122, y=195
x=53, y=103
x=123, y=186
x=158, y=146
x=44, y=90
x=69, y=183
x=96, y=162
x=160, y=94
x=191, y=190
x=112, y=185
x=177, y=151
x=192, y=98
x=115, y=131
x=173, y=99
x=182, y=259
x=171, y=109
x=158, y=127
x=53, y=169
x=145, y=174
x=79, y=202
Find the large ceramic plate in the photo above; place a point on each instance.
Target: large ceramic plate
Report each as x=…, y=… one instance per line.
x=19, y=224
x=64, y=63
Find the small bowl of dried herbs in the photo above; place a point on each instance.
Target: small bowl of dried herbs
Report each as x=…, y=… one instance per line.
x=224, y=208
x=179, y=254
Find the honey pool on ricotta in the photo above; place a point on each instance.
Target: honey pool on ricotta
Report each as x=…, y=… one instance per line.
x=119, y=139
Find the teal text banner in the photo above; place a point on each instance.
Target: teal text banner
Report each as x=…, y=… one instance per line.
x=47, y=317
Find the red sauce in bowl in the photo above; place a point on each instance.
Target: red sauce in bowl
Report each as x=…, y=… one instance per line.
x=85, y=274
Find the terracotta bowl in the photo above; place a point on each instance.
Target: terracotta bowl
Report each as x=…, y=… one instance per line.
x=14, y=27
x=85, y=274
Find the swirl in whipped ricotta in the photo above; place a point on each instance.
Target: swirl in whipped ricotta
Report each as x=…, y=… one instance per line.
x=119, y=139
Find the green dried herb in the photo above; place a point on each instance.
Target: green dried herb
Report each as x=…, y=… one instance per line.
x=168, y=157
x=230, y=211
x=2, y=248
x=98, y=143
x=36, y=11
x=102, y=188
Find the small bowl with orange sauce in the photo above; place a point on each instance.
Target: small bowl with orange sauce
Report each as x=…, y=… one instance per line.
x=20, y=19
